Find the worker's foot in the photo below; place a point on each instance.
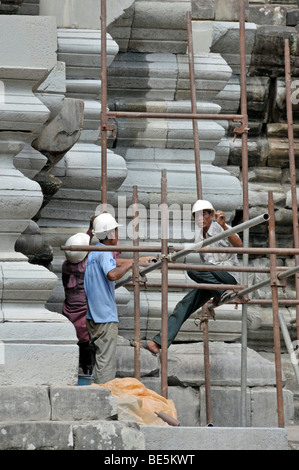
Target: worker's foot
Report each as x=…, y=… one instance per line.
x=150, y=346
x=219, y=299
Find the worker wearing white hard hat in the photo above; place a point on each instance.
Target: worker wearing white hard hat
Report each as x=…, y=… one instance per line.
x=79, y=239
x=75, y=304
x=104, y=226
x=201, y=205
x=102, y=271
x=211, y=222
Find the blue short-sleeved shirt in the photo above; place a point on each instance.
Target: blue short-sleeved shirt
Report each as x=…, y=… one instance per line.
x=100, y=292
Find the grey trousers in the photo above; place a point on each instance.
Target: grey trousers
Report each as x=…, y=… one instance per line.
x=103, y=337
x=195, y=299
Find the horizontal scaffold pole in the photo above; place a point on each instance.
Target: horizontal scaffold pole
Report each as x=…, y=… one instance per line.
x=259, y=285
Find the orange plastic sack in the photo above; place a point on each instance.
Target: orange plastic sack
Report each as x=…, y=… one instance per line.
x=137, y=403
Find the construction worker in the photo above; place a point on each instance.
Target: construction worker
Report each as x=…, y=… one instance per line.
x=75, y=304
x=211, y=223
x=102, y=271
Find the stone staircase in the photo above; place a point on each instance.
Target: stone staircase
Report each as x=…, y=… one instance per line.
x=63, y=418
x=86, y=417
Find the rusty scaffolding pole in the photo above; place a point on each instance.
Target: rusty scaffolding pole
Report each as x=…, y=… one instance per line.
x=243, y=129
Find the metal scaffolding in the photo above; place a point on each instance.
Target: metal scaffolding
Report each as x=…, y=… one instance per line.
x=168, y=257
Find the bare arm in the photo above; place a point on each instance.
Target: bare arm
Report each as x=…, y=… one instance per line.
x=123, y=266
x=234, y=239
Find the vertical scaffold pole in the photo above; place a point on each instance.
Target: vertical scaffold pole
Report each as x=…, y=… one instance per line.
x=103, y=105
x=136, y=284
x=245, y=210
x=276, y=329
x=164, y=273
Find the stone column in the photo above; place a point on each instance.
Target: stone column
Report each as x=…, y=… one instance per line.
x=39, y=347
x=79, y=47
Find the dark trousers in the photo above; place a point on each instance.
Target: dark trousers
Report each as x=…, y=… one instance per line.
x=195, y=299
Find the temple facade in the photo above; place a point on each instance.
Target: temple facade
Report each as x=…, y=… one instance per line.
x=50, y=105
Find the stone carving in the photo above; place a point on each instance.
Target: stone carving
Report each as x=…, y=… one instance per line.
x=56, y=139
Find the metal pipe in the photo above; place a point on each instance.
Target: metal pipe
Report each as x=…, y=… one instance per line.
x=276, y=330
x=179, y=285
x=259, y=285
x=206, y=267
x=292, y=165
x=285, y=302
x=168, y=419
x=220, y=236
x=164, y=273
x=252, y=251
x=205, y=332
x=289, y=272
x=289, y=345
x=104, y=120
x=155, y=249
x=148, y=115
x=198, y=246
x=136, y=285
x=194, y=107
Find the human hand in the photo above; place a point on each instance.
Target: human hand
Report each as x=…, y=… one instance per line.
x=220, y=218
x=146, y=260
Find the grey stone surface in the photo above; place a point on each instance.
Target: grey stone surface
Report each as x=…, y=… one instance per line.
x=38, y=352
x=81, y=403
x=110, y=435
x=55, y=435
x=264, y=401
x=261, y=407
x=24, y=403
x=185, y=365
x=213, y=438
x=43, y=435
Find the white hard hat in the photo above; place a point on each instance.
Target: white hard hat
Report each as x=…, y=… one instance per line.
x=80, y=239
x=201, y=205
x=103, y=224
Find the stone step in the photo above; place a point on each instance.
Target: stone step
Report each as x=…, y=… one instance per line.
x=56, y=403
x=114, y=435
x=213, y=438
x=65, y=435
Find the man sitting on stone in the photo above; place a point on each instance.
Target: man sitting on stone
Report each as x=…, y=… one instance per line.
x=204, y=214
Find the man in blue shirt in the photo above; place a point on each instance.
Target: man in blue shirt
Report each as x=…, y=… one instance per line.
x=102, y=270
